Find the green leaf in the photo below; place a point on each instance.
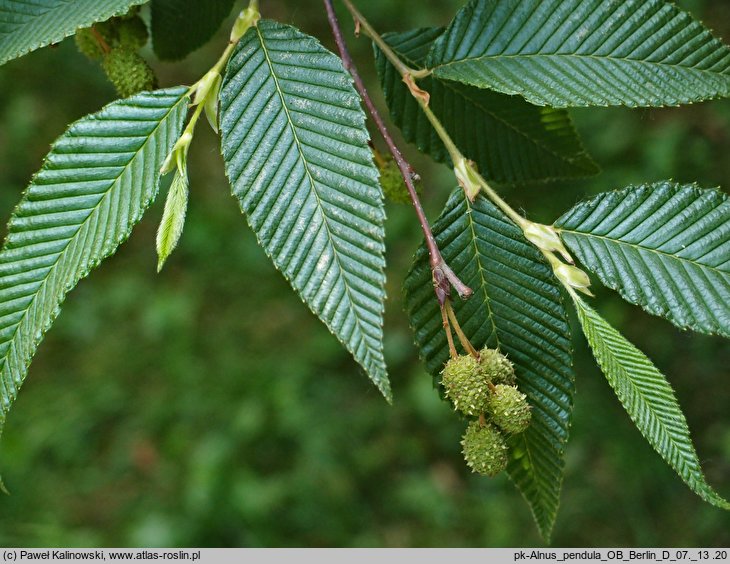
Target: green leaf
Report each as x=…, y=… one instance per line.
x=296, y=153
x=94, y=186
x=565, y=53
x=664, y=246
x=173, y=217
x=179, y=27
x=26, y=26
x=509, y=139
x=648, y=398
x=516, y=307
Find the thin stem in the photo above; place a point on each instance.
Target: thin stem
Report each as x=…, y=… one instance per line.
x=378, y=157
x=190, y=128
x=447, y=328
x=443, y=276
x=474, y=181
x=451, y=147
x=463, y=339
x=501, y=204
x=100, y=40
x=247, y=18
x=454, y=152
x=363, y=24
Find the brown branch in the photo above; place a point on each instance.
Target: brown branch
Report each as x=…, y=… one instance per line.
x=443, y=276
x=100, y=40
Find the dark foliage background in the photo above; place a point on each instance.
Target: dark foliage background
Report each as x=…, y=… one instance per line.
x=206, y=405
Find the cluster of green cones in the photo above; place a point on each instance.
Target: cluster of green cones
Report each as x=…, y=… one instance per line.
x=483, y=387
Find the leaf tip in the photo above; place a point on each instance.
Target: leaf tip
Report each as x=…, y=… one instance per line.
x=383, y=386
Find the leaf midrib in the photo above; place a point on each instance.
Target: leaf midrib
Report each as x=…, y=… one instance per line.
x=628, y=380
x=488, y=302
x=495, y=57
x=83, y=224
x=638, y=249
x=544, y=492
x=482, y=270
x=368, y=360
x=509, y=125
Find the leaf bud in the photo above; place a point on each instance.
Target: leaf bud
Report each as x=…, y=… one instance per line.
x=545, y=238
x=573, y=277
x=247, y=18
x=468, y=178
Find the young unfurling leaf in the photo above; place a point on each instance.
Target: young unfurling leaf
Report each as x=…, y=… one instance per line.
x=173, y=217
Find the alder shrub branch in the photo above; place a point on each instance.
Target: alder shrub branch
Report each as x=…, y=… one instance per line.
x=544, y=237
x=443, y=276
x=305, y=140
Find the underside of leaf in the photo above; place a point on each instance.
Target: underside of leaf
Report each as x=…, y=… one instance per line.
x=295, y=147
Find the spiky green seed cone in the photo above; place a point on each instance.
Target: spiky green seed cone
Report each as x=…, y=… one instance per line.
x=88, y=45
x=484, y=449
x=89, y=42
x=391, y=180
x=128, y=72
x=133, y=33
x=465, y=384
x=509, y=409
x=497, y=366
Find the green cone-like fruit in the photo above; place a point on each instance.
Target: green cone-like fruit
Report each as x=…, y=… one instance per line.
x=484, y=449
x=466, y=385
x=128, y=72
x=88, y=44
x=94, y=41
x=509, y=409
x=497, y=366
x=133, y=33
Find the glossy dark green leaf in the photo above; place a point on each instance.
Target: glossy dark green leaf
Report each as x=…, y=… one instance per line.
x=509, y=139
x=27, y=25
x=517, y=307
x=664, y=246
x=296, y=152
x=97, y=181
x=648, y=399
x=565, y=53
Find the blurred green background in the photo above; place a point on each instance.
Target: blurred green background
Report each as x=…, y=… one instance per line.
x=206, y=406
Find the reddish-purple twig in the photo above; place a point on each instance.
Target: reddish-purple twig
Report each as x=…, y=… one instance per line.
x=443, y=276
